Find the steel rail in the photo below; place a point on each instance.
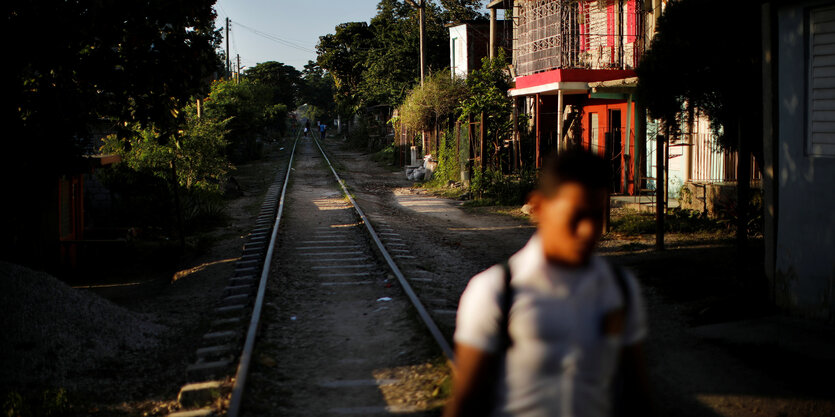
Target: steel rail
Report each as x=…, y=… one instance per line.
x=421, y=310
x=246, y=355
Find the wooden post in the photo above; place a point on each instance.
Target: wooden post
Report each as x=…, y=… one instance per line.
x=422, y=9
x=743, y=178
x=470, y=134
x=538, y=161
x=659, y=189
x=514, y=138
x=481, y=141
x=492, y=33
x=640, y=144
x=559, y=121
x=625, y=150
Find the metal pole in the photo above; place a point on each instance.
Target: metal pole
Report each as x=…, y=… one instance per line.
x=422, y=41
x=559, y=120
x=228, y=63
x=538, y=161
x=659, y=190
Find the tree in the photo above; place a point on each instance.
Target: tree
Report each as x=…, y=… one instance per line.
x=378, y=63
x=80, y=64
x=717, y=71
x=342, y=54
x=285, y=81
x=462, y=10
x=426, y=106
x=124, y=61
x=487, y=96
x=250, y=108
x=318, y=89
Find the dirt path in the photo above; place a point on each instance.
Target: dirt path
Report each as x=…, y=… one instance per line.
x=698, y=367
x=180, y=298
x=337, y=338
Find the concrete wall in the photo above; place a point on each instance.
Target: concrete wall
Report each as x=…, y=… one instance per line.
x=458, y=51
x=804, y=271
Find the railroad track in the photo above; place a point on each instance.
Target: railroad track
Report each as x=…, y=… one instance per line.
x=330, y=316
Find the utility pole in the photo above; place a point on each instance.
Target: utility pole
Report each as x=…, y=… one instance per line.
x=228, y=64
x=239, y=69
x=422, y=12
x=422, y=40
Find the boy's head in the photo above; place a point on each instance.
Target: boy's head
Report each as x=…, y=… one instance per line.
x=569, y=205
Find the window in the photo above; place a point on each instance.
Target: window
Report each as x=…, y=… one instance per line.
x=821, y=134
x=594, y=129
x=454, y=67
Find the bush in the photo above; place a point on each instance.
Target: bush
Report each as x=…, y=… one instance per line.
x=493, y=187
x=677, y=221
x=449, y=163
x=426, y=105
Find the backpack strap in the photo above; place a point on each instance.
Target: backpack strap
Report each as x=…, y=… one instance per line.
x=507, y=302
x=623, y=286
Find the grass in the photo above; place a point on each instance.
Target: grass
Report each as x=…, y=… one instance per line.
x=632, y=223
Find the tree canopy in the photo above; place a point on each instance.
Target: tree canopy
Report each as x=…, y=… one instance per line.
x=717, y=71
x=285, y=81
x=80, y=62
x=378, y=62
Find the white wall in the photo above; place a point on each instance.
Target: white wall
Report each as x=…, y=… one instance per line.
x=458, y=51
x=804, y=279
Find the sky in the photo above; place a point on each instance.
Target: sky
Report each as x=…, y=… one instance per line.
x=289, y=30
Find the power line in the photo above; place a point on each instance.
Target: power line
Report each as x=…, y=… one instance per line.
x=276, y=38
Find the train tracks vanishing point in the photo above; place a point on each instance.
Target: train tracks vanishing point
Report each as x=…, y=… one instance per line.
x=330, y=331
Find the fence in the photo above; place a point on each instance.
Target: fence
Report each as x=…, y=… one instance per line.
x=593, y=34
x=711, y=163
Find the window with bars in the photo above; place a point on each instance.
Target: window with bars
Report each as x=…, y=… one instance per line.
x=820, y=140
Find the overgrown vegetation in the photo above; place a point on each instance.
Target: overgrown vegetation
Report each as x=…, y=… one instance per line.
x=493, y=187
x=437, y=99
x=677, y=220
x=449, y=161
x=46, y=403
x=487, y=95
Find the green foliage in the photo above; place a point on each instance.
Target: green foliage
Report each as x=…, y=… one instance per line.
x=198, y=156
x=385, y=155
x=48, y=403
x=284, y=82
x=137, y=62
x=449, y=163
x=319, y=90
x=493, y=187
x=251, y=113
x=426, y=105
x=677, y=220
x=487, y=94
x=378, y=62
x=710, y=73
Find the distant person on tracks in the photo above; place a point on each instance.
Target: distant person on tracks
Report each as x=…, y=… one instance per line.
x=322, y=129
x=306, y=127
x=556, y=330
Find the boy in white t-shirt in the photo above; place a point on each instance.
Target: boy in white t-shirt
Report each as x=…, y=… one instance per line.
x=543, y=335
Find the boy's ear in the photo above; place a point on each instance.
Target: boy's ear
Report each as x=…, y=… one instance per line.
x=535, y=199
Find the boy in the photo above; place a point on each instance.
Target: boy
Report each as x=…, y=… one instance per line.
x=544, y=336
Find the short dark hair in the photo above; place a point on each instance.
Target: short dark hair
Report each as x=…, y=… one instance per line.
x=574, y=165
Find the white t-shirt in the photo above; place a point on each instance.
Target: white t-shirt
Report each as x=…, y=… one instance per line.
x=560, y=362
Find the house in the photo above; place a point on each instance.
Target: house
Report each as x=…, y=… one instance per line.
x=469, y=43
x=574, y=67
x=799, y=155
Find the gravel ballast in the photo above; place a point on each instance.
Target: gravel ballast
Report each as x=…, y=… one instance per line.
x=53, y=332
